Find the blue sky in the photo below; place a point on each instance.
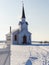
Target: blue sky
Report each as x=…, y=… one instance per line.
x=37, y=15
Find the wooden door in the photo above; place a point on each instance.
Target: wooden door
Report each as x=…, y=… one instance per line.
x=24, y=39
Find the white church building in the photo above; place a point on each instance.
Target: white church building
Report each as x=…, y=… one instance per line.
x=21, y=36
x=21, y=52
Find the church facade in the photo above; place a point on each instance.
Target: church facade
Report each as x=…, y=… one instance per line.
x=21, y=36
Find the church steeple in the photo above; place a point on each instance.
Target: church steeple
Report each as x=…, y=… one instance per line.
x=23, y=12
x=23, y=22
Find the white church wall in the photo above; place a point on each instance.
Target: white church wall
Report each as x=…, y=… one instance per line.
x=24, y=26
x=14, y=41
x=21, y=37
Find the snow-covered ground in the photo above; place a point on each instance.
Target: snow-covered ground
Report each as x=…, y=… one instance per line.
x=20, y=54
x=4, y=54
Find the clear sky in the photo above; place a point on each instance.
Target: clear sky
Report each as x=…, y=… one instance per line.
x=37, y=15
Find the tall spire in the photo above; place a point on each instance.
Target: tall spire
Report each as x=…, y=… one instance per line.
x=23, y=12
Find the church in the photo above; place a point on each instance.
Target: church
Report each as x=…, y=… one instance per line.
x=20, y=36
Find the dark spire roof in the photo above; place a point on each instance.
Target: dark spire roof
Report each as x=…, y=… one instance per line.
x=23, y=12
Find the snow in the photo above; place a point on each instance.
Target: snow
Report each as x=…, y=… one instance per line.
x=4, y=54
x=20, y=54
x=24, y=54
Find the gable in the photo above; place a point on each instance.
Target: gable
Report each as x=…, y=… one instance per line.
x=15, y=32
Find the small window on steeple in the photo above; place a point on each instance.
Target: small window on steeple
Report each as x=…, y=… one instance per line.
x=15, y=37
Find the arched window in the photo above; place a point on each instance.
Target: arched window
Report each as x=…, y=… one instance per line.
x=24, y=39
x=15, y=37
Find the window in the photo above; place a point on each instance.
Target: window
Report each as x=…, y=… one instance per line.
x=15, y=38
x=24, y=39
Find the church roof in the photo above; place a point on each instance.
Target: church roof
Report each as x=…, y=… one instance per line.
x=23, y=12
x=17, y=31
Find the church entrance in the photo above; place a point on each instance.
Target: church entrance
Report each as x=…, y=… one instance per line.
x=24, y=39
